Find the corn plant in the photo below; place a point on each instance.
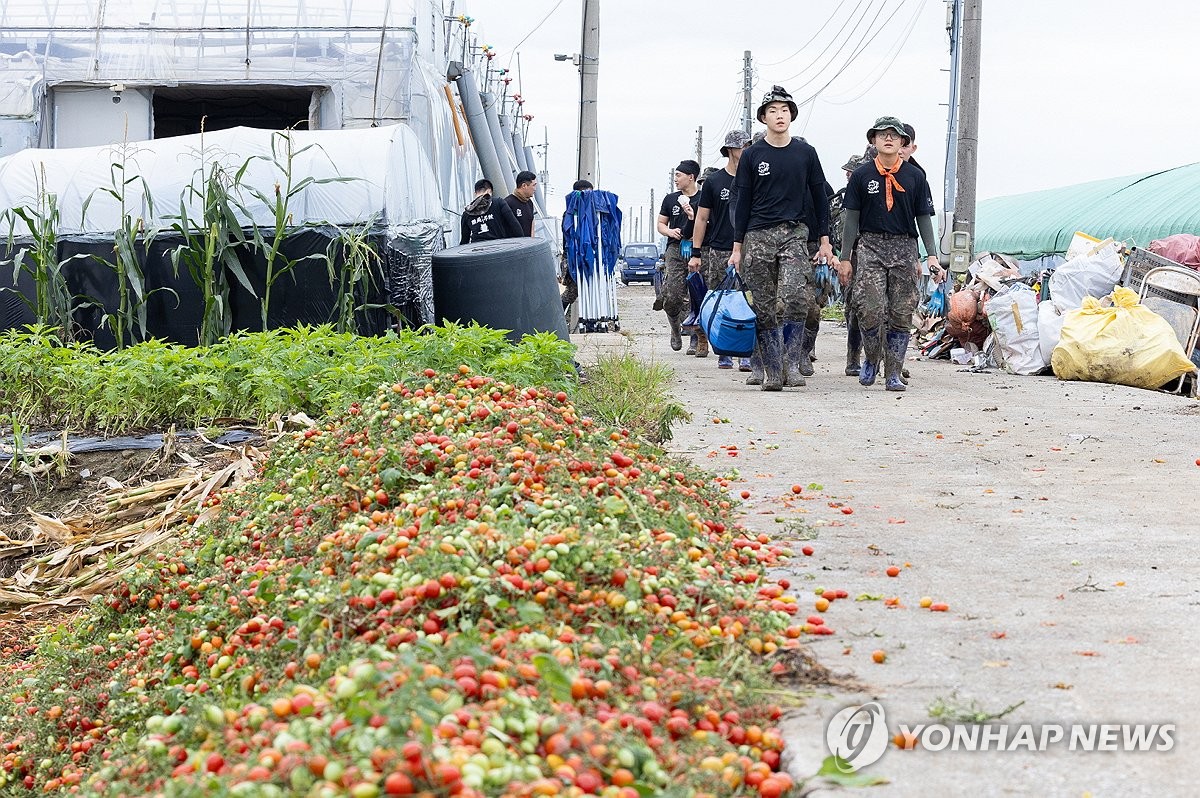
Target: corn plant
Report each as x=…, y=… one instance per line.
x=283, y=157
x=53, y=303
x=209, y=248
x=130, y=240
x=353, y=262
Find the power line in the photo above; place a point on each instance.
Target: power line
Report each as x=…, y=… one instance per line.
x=849, y=26
x=873, y=79
x=861, y=48
x=535, y=30
x=815, y=36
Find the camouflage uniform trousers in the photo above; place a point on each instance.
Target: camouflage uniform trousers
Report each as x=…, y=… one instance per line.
x=885, y=282
x=674, y=289
x=776, y=267
x=713, y=263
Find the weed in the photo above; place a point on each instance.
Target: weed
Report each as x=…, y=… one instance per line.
x=956, y=710
x=623, y=391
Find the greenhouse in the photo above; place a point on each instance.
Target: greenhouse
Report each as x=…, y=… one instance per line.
x=120, y=112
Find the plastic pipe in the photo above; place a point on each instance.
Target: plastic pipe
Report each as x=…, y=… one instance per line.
x=481, y=134
x=503, y=151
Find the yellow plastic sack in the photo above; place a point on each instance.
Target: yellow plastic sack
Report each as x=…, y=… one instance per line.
x=1126, y=344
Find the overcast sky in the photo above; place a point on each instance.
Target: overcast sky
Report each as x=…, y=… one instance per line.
x=1071, y=91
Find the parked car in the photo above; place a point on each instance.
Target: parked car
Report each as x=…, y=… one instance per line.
x=638, y=263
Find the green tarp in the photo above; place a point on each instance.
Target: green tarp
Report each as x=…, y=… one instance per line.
x=1136, y=209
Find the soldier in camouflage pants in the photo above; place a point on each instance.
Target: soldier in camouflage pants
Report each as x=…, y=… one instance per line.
x=885, y=282
x=778, y=256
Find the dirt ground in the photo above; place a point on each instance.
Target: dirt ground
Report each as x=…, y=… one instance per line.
x=1059, y=521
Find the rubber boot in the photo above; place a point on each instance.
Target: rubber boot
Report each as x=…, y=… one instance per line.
x=897, y=347
x=676, y=340
x=772, y=356
x=756, y=364
x=873, y=347
x=806, y=351
x=691, y=350
x=724, y=362
x=853, y=349
x=701, y=343
x=793, y=346
x=744, y=364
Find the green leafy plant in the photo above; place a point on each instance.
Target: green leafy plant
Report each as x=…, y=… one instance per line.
x=131, y=239
x=283, y=157
x=353, y=263
x=53, y=303
x=210, y=245
x=248, y=375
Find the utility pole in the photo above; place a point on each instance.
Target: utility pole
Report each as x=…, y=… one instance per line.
x=589, y=81
x=700, y=145
x=650, y=228
x=953, y=27
x=747, y=87
x=968, y=118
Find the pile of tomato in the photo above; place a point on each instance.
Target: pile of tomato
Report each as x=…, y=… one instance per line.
x=459, y=587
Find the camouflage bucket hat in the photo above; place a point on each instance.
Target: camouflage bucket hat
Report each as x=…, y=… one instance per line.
x=778, y=94
x=734, y=140
x=853, y=162
x=889, y=123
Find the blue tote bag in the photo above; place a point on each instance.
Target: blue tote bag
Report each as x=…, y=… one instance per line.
x=727, y=318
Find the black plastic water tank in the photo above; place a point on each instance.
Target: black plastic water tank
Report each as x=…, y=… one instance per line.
x=507, y=284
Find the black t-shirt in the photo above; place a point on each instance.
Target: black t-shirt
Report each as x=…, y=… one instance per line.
x=676, y=218
x=714, y=195
x=776, y=185
x=488, y=221
x=523, y=210
x=867, y=194
x=811, y=219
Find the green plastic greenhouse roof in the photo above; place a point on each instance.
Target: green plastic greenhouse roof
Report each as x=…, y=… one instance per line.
x=1137, y=209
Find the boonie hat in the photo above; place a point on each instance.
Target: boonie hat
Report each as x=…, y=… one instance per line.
x=777, y=94
x=889, y=123
x=734, y=140
x=853, y=162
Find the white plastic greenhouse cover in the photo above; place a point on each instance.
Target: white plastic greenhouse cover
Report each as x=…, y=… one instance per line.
x=381, y=175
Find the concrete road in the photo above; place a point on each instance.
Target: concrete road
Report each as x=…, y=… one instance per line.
x=1060, y=523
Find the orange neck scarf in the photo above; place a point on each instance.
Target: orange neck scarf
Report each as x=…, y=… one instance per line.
x=890, y=181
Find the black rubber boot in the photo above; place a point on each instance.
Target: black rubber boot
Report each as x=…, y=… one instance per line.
x=793, y=347
x=853, y=349
x=756, y=365
x=873, y=348
x=771, y=342
x=676, y=338
x=897, y=347
x=806, y=349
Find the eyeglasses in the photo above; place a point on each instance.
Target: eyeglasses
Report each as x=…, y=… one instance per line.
x=887, y=134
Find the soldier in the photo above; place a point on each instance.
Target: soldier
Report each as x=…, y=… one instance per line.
x=799, y=341
x=837, y=214
x=778, y=179
x=486, y=218
x=712, y=236
x=887, y=201
x=675, y=220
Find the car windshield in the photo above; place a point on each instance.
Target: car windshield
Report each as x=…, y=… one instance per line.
x=646, y=251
